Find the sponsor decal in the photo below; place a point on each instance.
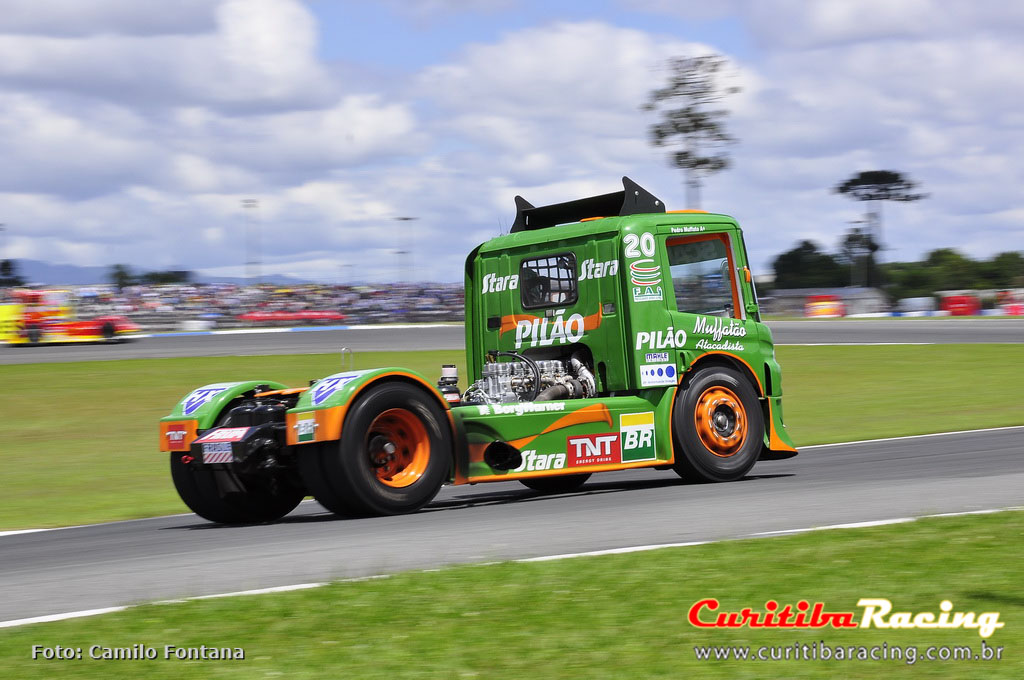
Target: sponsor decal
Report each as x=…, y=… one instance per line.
x=728, y=345
x=657, y=375
x=645, y=276
x=325, y=387
x=217, y=452
x=670, y=338
x=877, y=613
x=690, y=229
x=520, y=408
x=534, y=331
x=493, y=283
x=591, y=269
x=593, y=449
x=176, y=437
x=305, y=427
x=224, y=434
x=718, y=329
x=655, y=357
x=637, y=430
x=560, y=331
x=199, y=397
x=647, y=294
x=541, y=461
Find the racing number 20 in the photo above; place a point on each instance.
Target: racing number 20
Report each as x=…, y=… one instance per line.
x=645, y=241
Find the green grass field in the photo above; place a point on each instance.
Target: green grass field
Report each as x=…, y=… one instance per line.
x=618, y=616
x=79, y=441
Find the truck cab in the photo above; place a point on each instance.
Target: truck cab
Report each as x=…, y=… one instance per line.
x=643, y=299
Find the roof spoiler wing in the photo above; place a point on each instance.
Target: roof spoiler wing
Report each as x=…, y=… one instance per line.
x=632, y=200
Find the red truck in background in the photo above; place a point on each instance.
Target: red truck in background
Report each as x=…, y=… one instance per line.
x=961, y=305
x=824, y=306
x=48, y=316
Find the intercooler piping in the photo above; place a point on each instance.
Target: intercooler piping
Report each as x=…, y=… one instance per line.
x=584, y=375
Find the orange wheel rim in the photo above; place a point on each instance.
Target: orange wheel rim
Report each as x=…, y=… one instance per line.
x=398, y=447
x=721, y=421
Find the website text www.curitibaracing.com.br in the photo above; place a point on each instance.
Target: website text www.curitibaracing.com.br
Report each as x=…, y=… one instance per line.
x=820, y=651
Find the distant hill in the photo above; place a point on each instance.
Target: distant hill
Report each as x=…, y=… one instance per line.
x=46, y=274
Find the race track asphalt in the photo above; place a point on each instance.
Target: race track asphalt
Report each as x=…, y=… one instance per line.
x=170, y=557
x=370, y=338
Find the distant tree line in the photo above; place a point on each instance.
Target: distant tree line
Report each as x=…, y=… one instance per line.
x=9, y=276
x=808, y=266
x=121, y=275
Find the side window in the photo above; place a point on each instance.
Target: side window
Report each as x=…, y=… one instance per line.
x=548, y=281
x=702, y=277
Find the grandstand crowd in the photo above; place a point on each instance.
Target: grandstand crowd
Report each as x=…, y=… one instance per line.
x=222, y=305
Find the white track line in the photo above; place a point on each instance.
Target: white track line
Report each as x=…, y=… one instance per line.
x=61, y=617
x=399, y=326
x=613, y=551
x=16, y=532
x=850, y=525
x=250, y=331
x=913, y=436
x=851, y=344
x=544, y=558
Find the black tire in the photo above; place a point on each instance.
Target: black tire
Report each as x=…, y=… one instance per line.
x=719, y=426
x=220, y=495
x=108, y=331
x=359, y=476
x=557, y=484
x=34, y=334
x=311, y=468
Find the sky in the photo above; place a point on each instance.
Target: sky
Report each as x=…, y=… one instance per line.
x=133, y=132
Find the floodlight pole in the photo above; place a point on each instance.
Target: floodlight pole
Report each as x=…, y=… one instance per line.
x=412, y=248
x=252, y=241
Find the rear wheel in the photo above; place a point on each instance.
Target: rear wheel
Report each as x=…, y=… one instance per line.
x=220, y=495
x=393, y=457
x=108, y=331
x=558, y=484
x=718, y=426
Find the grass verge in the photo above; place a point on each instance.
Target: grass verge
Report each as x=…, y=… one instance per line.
x=79, y=439
x=618, y=616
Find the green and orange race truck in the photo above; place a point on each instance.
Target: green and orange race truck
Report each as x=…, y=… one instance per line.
x=601, y=334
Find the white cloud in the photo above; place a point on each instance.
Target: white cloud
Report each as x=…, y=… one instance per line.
x=355, y=129
x=120, y=148
x=260, y=53
x=553, y=70
x=47, y=150
x=126, y=17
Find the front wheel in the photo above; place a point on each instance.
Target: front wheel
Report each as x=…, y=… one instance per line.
x=557, y=484
x=718, y=426
x=220, y=495
x=393, y=457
